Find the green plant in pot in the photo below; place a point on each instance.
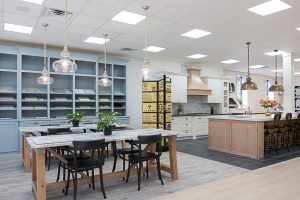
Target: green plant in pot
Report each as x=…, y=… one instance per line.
x=106, y=121
x=75, y=118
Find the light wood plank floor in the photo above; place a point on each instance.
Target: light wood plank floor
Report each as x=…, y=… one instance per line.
x=16, y=185
x=275, y=182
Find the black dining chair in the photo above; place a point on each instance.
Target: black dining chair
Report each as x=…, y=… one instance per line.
x=78, y=165
x=144, y=155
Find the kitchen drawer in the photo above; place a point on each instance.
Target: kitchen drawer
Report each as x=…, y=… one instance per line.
x=201, y=119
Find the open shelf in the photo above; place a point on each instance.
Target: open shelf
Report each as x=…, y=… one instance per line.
x=32, y=63
x=85, y=68
x=8, y=61
x=101, y=69
x=119, y=71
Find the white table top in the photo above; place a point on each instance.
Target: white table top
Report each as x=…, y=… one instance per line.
x=257, y=118
x=80, y=127
x=66, y=140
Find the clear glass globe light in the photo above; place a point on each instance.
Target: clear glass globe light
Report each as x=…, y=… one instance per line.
x=65, y=65
x=45, y=79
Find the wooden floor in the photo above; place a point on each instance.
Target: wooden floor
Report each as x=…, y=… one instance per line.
x=276, y=182
x=16, y=185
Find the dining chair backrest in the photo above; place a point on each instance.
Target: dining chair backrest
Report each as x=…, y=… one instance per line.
x=277, y=118
x=150, y=139
x=54, y=131
x=298, y=117
x=288, y=119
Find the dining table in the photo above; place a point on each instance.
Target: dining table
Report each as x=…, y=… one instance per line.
x=37, y=130
x=39, y=144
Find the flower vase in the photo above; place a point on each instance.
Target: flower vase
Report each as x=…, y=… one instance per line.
x=268, y=112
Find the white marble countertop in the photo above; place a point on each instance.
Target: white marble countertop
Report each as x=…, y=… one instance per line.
x=256, y=118
x=66, y=140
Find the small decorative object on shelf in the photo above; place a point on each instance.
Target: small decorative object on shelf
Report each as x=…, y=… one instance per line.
x=179, y=109
x=268, y=104
x=106, y=121
x=75, y=118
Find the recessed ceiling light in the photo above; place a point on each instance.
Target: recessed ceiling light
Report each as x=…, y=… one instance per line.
x=128, y=17
x=95, y=40
x=269, y=7
x=258, y=66
x=17, y=28
x=278, y=70
x=40, y=2
x=298, y=28
x=154, y=49
x=272, y=53
x=297, y=60
x=230, y=61
x=196, y=33
x=297, y=73
x=196, y=56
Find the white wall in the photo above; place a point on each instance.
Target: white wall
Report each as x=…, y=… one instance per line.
x=134, y=84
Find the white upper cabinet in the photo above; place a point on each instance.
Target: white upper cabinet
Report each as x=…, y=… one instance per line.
x=216, y=90
x=179, y=88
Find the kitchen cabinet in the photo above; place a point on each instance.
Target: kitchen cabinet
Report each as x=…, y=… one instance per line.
x=190, y=126
x=9, y=137
x=179, y=88
x=216, y=90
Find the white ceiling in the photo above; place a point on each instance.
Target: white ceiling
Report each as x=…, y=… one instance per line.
x=229, y=21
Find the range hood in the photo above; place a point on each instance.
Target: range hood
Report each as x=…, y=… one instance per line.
x=195, y=85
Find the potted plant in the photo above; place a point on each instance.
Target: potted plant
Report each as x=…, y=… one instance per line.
x=75, y=118
x=106, y=121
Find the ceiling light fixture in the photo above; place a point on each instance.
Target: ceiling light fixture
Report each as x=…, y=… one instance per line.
x=297, y=73
x=17, y=28
x=40, y=2
x=45, y=79
x=258, y=66
x=96, y=40
x=298, y=28
x=105, y=81
x=154, y=49
x=196, y=33
x=276, y=87
x=65, y=65
x=249, y=84
x=230, y=61
x=145, y=72
x=269, y=7
x=297, y=59
x=128, y=18
x=272, y=53
x=197, y=56
x=276, y=70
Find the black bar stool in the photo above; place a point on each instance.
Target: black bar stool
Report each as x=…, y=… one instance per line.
x=288, y=133
x=270, y=133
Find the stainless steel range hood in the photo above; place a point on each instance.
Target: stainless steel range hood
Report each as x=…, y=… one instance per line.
x=195, y=85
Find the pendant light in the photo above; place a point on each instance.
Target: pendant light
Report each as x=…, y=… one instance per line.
x=249, y=84
x=145, y=72
x=65, y=65
x=105, y=81
x=45, y=79
x=275, y=87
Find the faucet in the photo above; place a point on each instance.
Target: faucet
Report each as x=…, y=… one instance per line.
x=249, y=112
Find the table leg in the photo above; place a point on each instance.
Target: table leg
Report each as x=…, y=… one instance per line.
x=173, y=157
x=38, y=173
x=26, y=152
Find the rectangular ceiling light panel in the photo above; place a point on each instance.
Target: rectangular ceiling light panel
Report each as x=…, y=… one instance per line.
x=95, y=40
x=196, y=56
x=128, y=17
x=272, y=53
x=40, y=2
x=297, y=60
x=258, y=66
x=278, y=70
x=154, y=49
x=269, y=7
x=17, y=28
x=230, y=61
x=196, y=33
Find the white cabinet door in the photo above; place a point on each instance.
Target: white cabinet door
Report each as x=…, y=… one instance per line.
x=9, y=137
x=216, y=90
x=201, y=126
x=179, y=89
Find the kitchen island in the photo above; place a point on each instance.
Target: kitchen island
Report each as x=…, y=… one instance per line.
x=238, y=134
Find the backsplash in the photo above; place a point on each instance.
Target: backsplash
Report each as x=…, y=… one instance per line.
x=194, y=105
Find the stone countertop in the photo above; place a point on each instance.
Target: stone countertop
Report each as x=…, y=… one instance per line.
x=256, y=118
x=208, y=114
x=66, y=140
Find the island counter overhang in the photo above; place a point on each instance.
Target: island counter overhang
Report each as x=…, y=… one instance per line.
x=239, y=135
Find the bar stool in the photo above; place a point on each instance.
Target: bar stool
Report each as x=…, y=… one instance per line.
x=270, y=132
x=296, y=141
x=288, y=133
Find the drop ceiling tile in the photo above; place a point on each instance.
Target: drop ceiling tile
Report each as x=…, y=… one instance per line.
x=53, y=24
x=19, y=19
x=101, y=11
x=129, y=38
x=154, y=24
x=174, y=14
x=136, y=6
x=88, y=21
x=99, y=33
x=116, y=26
x=80, y=29
x=73, y=5
x=22, y=8
x=113, y=3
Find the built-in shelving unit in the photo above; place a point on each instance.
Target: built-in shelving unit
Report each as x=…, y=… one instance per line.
x=297, y=98
x=225, y=101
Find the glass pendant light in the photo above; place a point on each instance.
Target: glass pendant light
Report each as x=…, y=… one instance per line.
x=249, y=84
x=145, y=72
x=275, y=87
x=45, y=79
x=65, y=65
x=105, y=81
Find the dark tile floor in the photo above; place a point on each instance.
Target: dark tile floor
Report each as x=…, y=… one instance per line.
x=199, y=147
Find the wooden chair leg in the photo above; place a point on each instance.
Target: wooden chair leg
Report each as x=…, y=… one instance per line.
x=159, y=171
